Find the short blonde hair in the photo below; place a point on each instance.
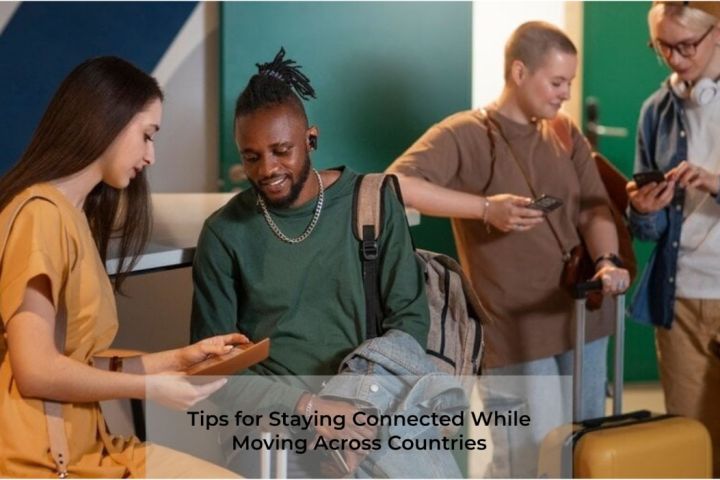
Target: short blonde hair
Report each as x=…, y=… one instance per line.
x=532, y=41
x=687, y=16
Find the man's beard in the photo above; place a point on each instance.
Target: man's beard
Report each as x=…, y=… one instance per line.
x=295, y=189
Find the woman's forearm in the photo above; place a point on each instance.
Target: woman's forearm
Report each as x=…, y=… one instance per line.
x=598, y=230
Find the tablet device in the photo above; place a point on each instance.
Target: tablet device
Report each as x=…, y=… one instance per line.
x=239, y=358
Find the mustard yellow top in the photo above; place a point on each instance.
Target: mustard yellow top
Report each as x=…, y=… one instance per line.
x=41, y=233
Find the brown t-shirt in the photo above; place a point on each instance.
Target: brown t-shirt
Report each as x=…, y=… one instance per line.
x=516, y=274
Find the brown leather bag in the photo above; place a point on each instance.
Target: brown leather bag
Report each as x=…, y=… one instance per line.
x=580, y=267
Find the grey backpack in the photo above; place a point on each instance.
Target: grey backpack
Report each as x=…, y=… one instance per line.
x=455, y=341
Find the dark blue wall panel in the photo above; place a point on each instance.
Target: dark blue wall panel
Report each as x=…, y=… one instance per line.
x=44, y=41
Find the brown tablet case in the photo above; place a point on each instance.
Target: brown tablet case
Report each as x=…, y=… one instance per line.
x=239, y=358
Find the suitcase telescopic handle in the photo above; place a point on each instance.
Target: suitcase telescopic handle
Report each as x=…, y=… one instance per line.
x=598, y=422
x=581, y=290
x=580, y=293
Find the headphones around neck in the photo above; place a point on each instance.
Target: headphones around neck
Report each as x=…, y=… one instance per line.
x=702, y=93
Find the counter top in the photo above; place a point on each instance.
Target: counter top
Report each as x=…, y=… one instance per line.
x=178, y=219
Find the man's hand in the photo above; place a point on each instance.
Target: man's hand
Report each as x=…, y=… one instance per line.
x=652, y=197
x=688, y=175
x=509, y=213
x=323, y=406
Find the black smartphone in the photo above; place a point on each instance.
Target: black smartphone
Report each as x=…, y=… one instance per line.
x=643, y=178
x=546, y=203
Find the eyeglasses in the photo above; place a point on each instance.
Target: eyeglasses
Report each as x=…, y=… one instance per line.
x=685, y=49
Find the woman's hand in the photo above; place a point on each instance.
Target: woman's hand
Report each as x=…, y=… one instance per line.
x=652, y=197
x=509, y=213
x=197, y=352
x=615, y=280
x=177, y=391
x=688, y=175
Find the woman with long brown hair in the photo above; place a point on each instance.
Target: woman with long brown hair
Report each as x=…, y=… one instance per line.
x=80, y=182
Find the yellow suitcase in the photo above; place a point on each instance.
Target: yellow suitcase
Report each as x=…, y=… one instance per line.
x=632, y=445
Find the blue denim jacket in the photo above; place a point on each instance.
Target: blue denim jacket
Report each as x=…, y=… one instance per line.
x=661, y=145
x=392, y=375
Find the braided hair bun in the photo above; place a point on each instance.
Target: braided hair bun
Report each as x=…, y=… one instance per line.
x=277, y=82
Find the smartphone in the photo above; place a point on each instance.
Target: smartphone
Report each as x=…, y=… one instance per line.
x=643, y=178
x=546, y=203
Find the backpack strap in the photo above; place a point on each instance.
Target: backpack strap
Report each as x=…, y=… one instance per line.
x=614, y=182
x=367, y=221
x=560, y=125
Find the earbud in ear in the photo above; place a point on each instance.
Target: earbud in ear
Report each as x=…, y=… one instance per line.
x=312, y=141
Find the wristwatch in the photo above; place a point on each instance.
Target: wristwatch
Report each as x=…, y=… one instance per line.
x=612, y=258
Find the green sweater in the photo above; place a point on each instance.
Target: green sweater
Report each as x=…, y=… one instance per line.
x=307, y=297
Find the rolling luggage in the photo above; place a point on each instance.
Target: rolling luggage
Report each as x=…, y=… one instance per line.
x=639, y=444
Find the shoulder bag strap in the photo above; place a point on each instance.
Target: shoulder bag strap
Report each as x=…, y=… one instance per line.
x=53, y=410
x=490, y=123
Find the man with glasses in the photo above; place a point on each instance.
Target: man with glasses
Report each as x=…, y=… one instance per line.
x=679, y=134
x=685, y=49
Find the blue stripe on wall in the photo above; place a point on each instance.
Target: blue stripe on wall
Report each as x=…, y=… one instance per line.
x=44, y=41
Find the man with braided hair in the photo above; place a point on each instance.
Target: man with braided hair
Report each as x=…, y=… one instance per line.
x=280, y=259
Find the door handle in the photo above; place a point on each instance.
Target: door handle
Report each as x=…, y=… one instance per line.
x=606, y=131
x=593, y=128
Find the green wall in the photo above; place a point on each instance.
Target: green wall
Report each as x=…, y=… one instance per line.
x=383, y=72
x=621, y=71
